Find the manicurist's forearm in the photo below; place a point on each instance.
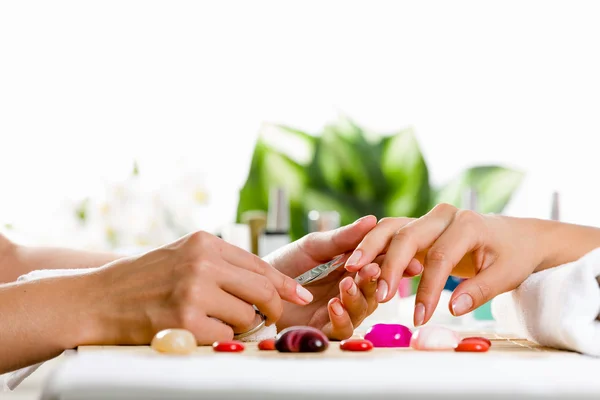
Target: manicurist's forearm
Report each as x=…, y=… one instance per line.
x=40, y=319
x=16, y=260
x=562, y=243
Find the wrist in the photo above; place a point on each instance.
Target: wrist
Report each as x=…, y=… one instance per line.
x=87, y=306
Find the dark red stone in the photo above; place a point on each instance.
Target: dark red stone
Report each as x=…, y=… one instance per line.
x=477, y=338
x=267, y=344
x=301, y=339
x=473, y=345
x=356, y=345
x=228, y=347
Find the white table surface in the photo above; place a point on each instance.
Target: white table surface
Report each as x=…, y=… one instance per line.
x=382, y=374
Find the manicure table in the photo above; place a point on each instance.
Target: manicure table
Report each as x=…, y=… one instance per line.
x=513, y=368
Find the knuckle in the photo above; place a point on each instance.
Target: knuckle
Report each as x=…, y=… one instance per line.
x=199, y=238
x=267, y=292
x=259, y=266
x=309, y=241
x=403, y=235
x=436, y=257
x=444, y=208
x=425, y=291
x=466, y=217
x=384, y=221
x=483, y=290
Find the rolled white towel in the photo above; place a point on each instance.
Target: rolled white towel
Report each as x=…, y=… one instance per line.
x=558, y=307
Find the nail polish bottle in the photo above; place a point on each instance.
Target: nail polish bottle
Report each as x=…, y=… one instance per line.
x=277, y=233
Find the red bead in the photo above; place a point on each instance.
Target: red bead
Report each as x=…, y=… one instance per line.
x=356, y=345
x=473, y=345
x=480, y=339
x=228, y=347
x=267, y=344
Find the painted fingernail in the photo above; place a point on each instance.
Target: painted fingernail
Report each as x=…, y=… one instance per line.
x=337, y=308
x=382, y=291
x=353, y=289
x=354, y=258
x=462, y=304
x=304, y=294
x=419, y=314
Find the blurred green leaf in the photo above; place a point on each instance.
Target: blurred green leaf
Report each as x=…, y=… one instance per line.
x=81, y=210
x=494, y=186
x=271, y=167
x=355, y=172
x=136, y=169
x=406, y=175
x=345, y=162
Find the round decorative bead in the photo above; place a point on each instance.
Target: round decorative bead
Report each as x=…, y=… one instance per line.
x=473, y=345
x=174, y=341
x=389, y=335
x=356, y=345
x=301, y=339
x=267, y=344
x=228, y=347
x=434, y=338
x=480, y=339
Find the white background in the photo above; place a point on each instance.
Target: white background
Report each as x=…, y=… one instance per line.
x=87, y=87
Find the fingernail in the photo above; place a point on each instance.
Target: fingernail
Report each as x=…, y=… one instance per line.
x=337, y=308
x=419, y=314
x=304, y=294
x=354, y=258
x=462, y=304
x=353, y=289
x=382, y=291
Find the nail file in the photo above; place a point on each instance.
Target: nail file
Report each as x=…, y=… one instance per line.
x=320, y=271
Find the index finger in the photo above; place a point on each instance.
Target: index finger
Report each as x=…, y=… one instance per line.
x=287, y=288
x=375, y=242
x=406, y=243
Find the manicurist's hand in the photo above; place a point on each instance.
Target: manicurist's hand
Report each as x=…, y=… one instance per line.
x=497, y=253
x=200, y=283
x=342, y=299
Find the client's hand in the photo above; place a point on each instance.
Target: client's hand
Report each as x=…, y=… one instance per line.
x=341, y=300
x=496, y=252
x=200, y=283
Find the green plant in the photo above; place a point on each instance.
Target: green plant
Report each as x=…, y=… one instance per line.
x=357, y=172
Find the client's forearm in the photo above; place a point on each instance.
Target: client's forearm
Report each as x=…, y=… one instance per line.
x=40, y=319
x=16, y=260
x=563, y=243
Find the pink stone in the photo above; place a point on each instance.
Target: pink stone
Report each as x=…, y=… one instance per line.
x=434, y=338
x=389, y=335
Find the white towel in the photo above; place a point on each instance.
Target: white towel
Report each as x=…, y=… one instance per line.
x=11, y=380
x=557, y=307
